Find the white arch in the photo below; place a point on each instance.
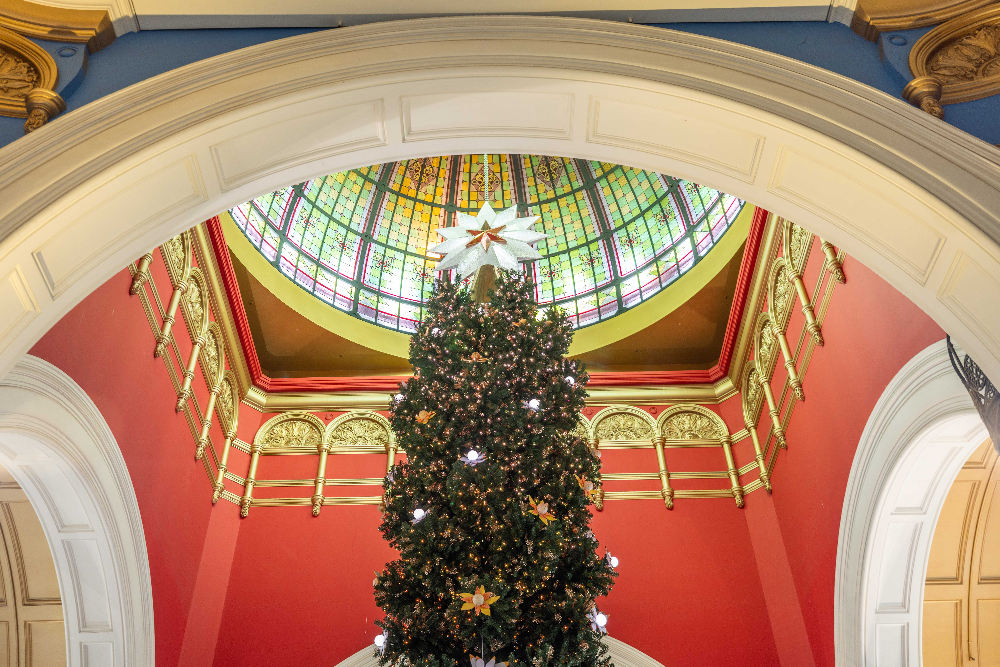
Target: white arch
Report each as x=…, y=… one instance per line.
x=58, y=447
x=922, y=430
x=911, y=197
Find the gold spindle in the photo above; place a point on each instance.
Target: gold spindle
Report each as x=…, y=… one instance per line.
x=390, y=456
x=772, y=408
x=765, y=477
x=206, y=424
x=163, y=338
x=786, y=352
x=141, y=273
x=667, y=492
x=598, y=495
x=220, y=477
x=185, y=392
x=811, y=324
x=317, y=499
x=247, y=499
x=734, y=476
x=833, y=264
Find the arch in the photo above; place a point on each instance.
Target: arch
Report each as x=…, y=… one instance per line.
x=58, y=447
x=795, y=245
x=360, y=428
x=780, y=294
x=295, y=429
x=765, y=346
x=195, y=304
x=99, y=186
x=921, y=431
x=691, y=422
x=622, y=423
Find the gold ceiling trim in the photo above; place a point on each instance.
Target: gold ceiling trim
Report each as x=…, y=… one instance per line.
x=874, y=17
x=958, y=61
x=92, y=27
x=28, y=78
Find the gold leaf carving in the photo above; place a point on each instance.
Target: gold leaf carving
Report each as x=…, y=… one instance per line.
x=766, y=348
x=193, y=296
x=210, y=355
x=360, y=432
x=623, y=426
x=226, y=402
x=752, y=396
x=17, y=76
x=968, y=58
x=783, y=294
x=293, y=433
x=690, y=426
x=797, y=248
x=581, y=430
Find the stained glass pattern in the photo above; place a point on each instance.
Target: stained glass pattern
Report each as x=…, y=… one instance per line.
x=358, y=239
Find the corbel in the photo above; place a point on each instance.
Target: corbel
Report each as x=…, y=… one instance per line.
x=206, y=421
x=734, y=475
x=185, y=392
x=786, y=352
x=765, y=476
x=29, y=81
x=141, y=273
x=924, y=92
x=247, y=498
x=220, y=478
x=666, y=491
x=795, y=246
x=317, y=499
x=833, y=264
x=772, y=408
x=179, y=269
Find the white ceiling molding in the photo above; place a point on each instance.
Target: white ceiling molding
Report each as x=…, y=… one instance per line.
x=122, y=13
x=132, y=15
x=922, y=430
x=58, y=447
x=911, y=197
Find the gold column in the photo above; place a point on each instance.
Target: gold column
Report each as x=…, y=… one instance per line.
x=223, y=466
x=185, y=392
x=811, y=324
x=317, y=499
x=833, y=264
x=667, y=493
x=251, y=474
x=779, y=433
x=141, y=273
x=786, y=352
x=734, y=476
x=206, y=423
x=765, y=477
x=163, y=338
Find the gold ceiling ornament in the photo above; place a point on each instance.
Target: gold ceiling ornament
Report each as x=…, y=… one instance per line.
x=874, y=17
x=28, y=78
x=421, y=173
x=549, y=171
x=92, y=27
x=958, y=61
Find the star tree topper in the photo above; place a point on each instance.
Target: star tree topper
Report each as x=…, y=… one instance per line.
x=498, y=239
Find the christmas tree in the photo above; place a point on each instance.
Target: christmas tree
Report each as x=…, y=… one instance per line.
x=489, y=513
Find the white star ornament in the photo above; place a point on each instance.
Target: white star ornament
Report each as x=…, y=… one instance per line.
x=498, y=239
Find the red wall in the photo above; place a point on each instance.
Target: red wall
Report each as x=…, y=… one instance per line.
x=284, y=588
x=105, y=344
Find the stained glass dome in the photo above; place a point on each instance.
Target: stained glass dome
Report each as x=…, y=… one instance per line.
x=358, y=239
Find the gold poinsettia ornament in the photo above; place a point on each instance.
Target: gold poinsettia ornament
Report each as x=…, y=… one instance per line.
x=424, y=416
x=541, y=510
x=480, y=600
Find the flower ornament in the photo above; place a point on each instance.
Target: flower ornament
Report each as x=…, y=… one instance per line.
x=381, y=641
x=541, y=510
x=585, y=484
x=477, y=358
x=498, y=239
x=598, y=621
x=424, y=416
x=472, y=458
x=476, y=661
x=480, y=600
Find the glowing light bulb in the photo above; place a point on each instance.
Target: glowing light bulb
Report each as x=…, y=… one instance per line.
x=473, y=455
x=534, y=404
x=380, y=641
x=614, y=561
x=418, y=514
x=570, y=380
x=399, y=397
x=601, y=620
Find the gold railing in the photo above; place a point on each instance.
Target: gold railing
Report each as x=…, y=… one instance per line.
x=363, y=432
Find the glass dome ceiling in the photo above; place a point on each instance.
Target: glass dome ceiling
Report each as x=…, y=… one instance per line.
x=358, y=239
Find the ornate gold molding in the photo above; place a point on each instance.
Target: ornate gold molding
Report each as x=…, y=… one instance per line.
x=957, y=61
x=92, y=27
x=28, y=77
x=873, y=17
